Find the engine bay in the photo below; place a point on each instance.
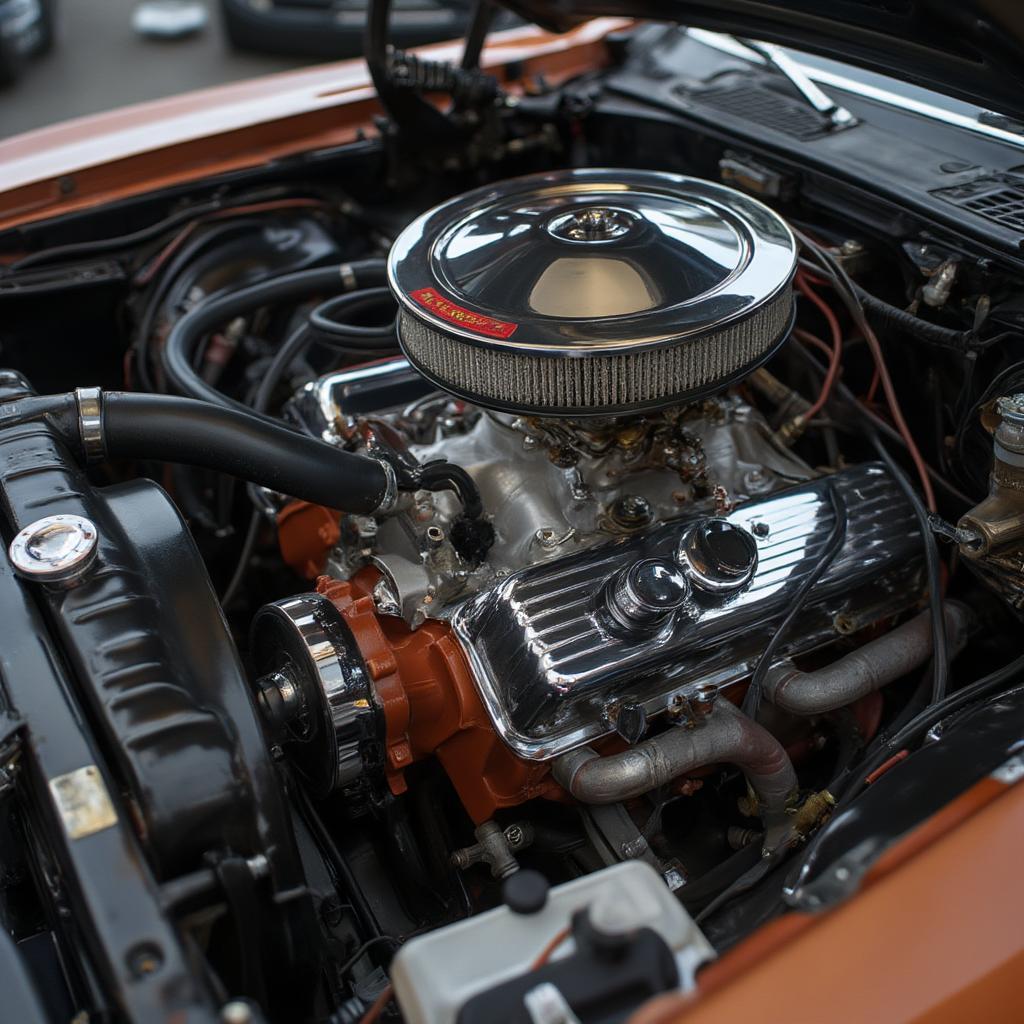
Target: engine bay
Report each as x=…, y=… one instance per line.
x=494, y=578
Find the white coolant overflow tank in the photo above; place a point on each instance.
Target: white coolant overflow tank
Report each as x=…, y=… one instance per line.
x=435, y=975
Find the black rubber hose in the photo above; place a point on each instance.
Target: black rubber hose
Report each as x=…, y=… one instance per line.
x=887, y=316
x=59, y=411
x=333, y=330
x=933, y=565
x=187, y=333
x=348, y=339
x=444, y=476
x=200, y=434
x=165, y=283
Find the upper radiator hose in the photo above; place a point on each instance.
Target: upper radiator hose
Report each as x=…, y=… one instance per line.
x=122, y=425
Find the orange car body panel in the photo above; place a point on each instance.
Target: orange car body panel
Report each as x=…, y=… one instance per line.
x=101, y=158
x=937, y=934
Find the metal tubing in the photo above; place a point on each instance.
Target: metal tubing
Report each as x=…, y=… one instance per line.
x=869, y=668
x=726, y=736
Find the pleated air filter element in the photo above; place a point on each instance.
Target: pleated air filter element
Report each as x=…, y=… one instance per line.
x=593, y=292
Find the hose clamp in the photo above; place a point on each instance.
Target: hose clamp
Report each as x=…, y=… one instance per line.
x=348, y=277
x=390, y=496
x=90, y=423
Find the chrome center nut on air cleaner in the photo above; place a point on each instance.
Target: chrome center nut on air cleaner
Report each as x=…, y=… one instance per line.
x=593, y=292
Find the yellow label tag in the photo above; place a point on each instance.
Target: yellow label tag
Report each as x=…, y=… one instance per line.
x=83, y=801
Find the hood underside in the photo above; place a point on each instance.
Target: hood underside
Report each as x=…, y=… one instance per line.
x=973, y=50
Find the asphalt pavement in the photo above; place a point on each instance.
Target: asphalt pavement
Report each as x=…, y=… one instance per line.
x=99, y=63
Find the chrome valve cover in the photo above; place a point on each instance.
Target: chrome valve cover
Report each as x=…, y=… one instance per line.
x=552, y=664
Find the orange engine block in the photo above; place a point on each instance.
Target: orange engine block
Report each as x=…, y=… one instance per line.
x=431, y=705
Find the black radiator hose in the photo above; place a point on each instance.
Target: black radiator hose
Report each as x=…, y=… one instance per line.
x=200, y=434
x=137, y=426
x=180, y=346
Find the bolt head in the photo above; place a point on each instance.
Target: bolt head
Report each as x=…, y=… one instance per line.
x=546, y=537
x=629, y=719
x=707, y=693
x=632, y=849
x=632, y=511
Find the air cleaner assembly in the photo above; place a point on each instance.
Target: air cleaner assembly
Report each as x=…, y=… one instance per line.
x=593, y=292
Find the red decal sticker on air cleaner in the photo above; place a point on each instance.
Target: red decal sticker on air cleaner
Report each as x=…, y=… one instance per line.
x=476, y=322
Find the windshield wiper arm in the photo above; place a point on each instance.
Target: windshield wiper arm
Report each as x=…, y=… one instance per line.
x=836, y=115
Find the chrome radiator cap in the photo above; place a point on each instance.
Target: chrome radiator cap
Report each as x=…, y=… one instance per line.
x=593, y=292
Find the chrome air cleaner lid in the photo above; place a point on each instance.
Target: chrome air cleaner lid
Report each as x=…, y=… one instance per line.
x=592, y=292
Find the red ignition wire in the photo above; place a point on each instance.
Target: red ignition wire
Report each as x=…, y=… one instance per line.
x=887, y=387
x=836, y=351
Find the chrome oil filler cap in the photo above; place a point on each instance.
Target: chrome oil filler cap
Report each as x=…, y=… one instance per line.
x=56, y=549
x=593, y=292
x=646, y=594
x=718, y=556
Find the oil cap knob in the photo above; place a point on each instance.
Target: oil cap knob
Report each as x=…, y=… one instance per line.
x=718, y=556
x=646, y=594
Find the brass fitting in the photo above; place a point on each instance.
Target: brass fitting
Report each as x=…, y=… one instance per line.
x=992, y=533
x=813, y=811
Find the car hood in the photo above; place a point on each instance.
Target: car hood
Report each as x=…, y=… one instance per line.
x=970, y=49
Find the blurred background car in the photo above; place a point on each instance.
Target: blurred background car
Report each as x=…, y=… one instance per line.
x=27, y=29
x=169, y=19
x=333, y=29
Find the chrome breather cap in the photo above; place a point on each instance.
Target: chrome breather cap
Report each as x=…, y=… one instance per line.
x=593, y=292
